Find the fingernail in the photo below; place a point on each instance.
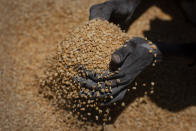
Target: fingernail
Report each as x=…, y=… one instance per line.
x=116, y=58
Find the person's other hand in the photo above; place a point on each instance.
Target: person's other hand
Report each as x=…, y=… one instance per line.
x=116, y=11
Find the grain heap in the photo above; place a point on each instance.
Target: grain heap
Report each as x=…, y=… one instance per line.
x=90, y=45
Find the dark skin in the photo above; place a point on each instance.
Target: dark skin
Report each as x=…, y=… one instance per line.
x=134, y=57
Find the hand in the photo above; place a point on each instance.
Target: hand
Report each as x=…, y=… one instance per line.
x=132, y=58
x=116, y=11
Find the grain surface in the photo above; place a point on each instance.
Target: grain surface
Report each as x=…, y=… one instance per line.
x=30, y=32
x=90, y=45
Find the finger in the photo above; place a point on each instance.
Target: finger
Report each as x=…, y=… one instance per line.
x=93, y=75
x=116, y=90
x=111, y=91
x=119, y=97
x=92, y=84
x=102, y=11
x=96, y=76
x=115, y=75
x=95, y=94
x=88, y=83
x=79, y=80
x=104, y=92
x=121, y=54
x=109, y=82
x=106, y=76
x=98, y=92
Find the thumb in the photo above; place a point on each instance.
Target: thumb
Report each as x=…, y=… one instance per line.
x=119, y=56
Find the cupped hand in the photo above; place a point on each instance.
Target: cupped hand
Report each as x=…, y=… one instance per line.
x=129, y=61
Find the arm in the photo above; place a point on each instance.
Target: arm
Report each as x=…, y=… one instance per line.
x=180, y=50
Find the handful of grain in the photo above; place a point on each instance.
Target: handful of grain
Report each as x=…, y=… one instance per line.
x=90, y=45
